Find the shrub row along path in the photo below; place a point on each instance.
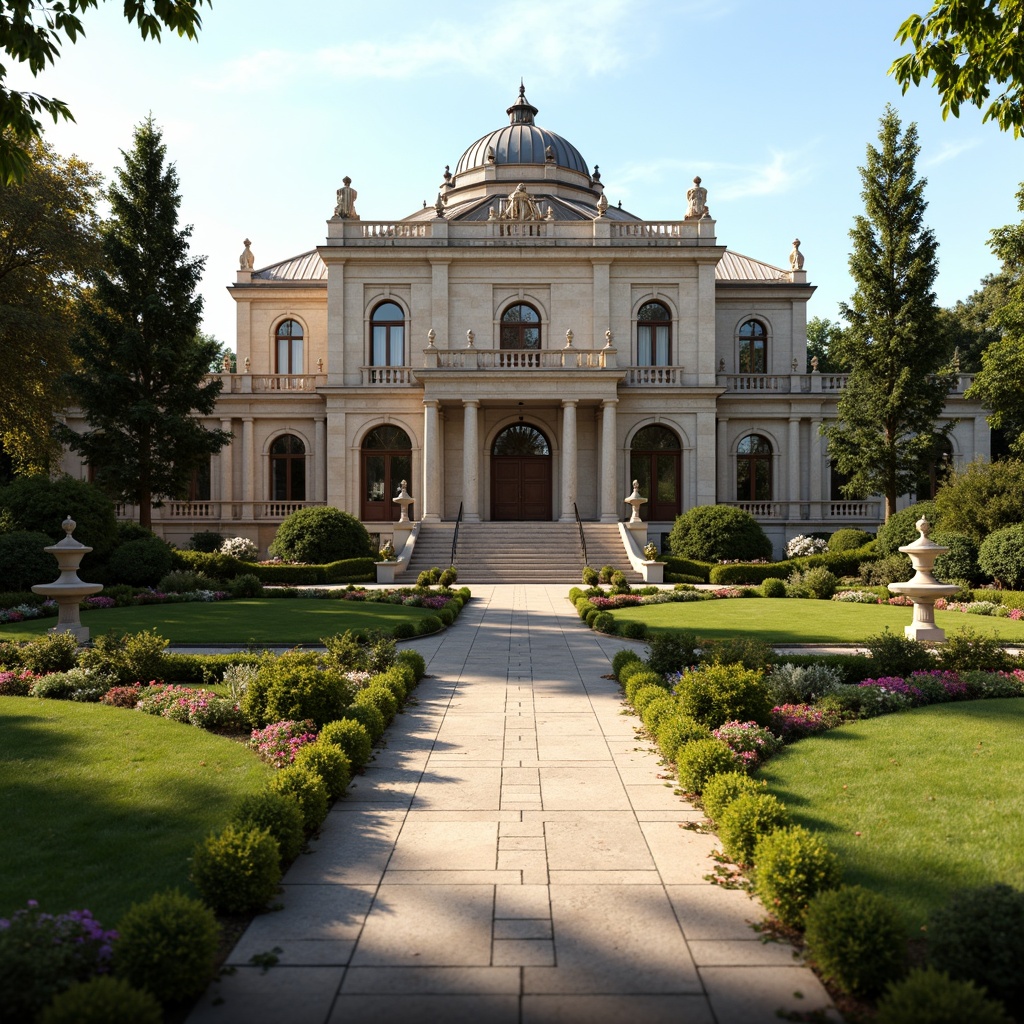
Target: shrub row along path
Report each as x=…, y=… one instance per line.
x=512, y=855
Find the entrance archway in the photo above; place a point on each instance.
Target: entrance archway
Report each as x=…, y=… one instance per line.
x=387, y=461
x=654, y=462
x=521, y=474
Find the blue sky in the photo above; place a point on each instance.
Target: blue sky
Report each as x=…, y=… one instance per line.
x=771, y=103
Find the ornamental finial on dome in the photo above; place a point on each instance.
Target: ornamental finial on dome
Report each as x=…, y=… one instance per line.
x=522, y=111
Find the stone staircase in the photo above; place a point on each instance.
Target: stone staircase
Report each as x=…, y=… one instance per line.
x=518, y=552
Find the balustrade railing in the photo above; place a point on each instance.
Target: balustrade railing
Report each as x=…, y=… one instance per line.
x=762, y=509
x=518, y=359
x=854, y=509
x=654, y=376
x=390, y=376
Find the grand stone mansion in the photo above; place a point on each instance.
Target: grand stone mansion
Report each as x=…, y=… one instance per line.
x=524, y=350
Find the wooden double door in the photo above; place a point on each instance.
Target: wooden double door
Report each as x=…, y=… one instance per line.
x=521, y=475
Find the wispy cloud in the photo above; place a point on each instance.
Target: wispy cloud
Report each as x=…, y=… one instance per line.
x=948, y=151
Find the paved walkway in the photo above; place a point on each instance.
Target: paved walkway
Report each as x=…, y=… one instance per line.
x=512, y=855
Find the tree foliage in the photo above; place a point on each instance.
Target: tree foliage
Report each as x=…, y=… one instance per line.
x=49, y=243
x=966, y=46
x=971, y=325
x=823, y=342
x=143, y=361
x=32, y=33
x=982, y=497
x=887, y=412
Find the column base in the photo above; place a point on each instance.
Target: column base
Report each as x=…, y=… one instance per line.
x=926, y=634
x=609, y=517
x=471, y=517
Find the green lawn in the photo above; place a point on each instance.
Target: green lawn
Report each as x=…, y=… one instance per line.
x=277, y=620
x=795, y=621
x=916, y=804
x=100, y=807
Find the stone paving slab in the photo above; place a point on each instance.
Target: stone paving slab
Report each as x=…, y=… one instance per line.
x=511, y=855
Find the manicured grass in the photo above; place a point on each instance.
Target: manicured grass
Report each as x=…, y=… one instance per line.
x=795, y=621
x=915, y=804
x=101, y=807
x=277, y=620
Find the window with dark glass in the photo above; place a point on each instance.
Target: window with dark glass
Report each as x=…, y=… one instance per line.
x=654, y=462
x=387, y=335
x=653, y=335
x=520, y=439
x=287, y=469
x=387, y=461
x=288, y=341
x=520, y=327
x=753, y=347
x=754, y=469
x=936, y=465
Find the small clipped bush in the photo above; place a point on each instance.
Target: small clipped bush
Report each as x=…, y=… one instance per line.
x=701, y=760
x=900, y=529
x=308, y=790
x=279, y=815
x=792, y=866
x=605, y=623
x=590, y=576
x=238, y=870
x=714, y=533
x=722, y=790
x=23, y=562
x=415, y=660
x=52, y=652
x=657, y=711
x=638, y=680
x=296, y=686
x=672, y=652
x=168, y=946
x=320, y=534
x=379, y=697
x=979, y=936
x=893, y=654
x=716, y=694
x=645, y=694
x=351, y=737
x=622, y=658
x=928, y=996
x=403, y=631
x=633, y=630
x=848, y=539
x=855, y=937
x=369, y=718
x=676, y=731
x=1001, y=556
x=102, y=1000
x=773, y=587
x=746, y=819
x=429, y=624
x=206, y=541
x=330, y=762
x=245, y=585
x=818, y=584
x=141, y=563
x=448, y=577
x=634, y=667
x=393, y=680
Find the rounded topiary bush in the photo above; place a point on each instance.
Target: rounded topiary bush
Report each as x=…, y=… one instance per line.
x=1001, y=556
x=848, y=539
x=960, y=562
x=621, y=659
x=931, y=997
x=295, y=686
x=330, y=762
x=979, y=936
x=141, y=563
x=279, y=815
x=900, y=529
x=604, y=622
x=722, y=790
x=659, y=710
x=675, y=731
x=792, y=866
x=634, y=667
x=381, y=698
x=307, y=789
x=715, y=533
x=643, y=695
x=168, y=946
x=638, y=681
x=855, y=938
x=715, y=694
x=320, y=534
x=23, y=562
x=102, y=1000
x=749, y=817
x=773, y=587
x=351, y=737
x=429, y=624
x=633, y=630
x=369, y=717
x=238, y=870
x=206, y=541
x=415, y=660
x=701, y=760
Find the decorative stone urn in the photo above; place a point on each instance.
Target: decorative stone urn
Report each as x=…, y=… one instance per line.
x=636, y=501
x=923, y=589
x=68, y=589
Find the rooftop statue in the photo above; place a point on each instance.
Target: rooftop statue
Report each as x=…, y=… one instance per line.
x=697, y=202
x=346, y=196
x=520, y=205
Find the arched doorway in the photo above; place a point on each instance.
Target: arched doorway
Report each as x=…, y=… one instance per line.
x=521, y=474
x=655, y=459
x=387, y=461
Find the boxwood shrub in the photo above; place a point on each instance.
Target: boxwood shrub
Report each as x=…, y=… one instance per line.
x=746, y=819
x=330, y=762
x=928, y=996
x=307, y=789
x=700, y=760
x=350, y=736
x=102, y=1000
x=622, y=658
x=792, y=865
x=238, y=870
x=723, y=789
x=675, y=731
x=719, y=693
x=279, y=815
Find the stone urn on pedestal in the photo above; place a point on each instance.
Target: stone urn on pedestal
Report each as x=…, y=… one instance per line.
x=652, y=570
x=67, y=590
x=923, y=589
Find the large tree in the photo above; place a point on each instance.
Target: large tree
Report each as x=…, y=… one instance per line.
x=31, y=35
x=971, y=325
x=823, y=341
x=1000, y=382
x=967, y=45
x=886, y=415
x=49, y=244
x=143, y=360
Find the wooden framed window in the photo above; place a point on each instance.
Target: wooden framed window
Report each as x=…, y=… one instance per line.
x=287, y=469
x=520, y=327
x=654, y=335
x=753, y=347
x=288, y=340
x=754, y=469
x=387, y=335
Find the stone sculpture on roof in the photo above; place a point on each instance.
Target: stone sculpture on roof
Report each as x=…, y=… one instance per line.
x=697, y=202
x=796, y=257
x=346, y=196
x=520, y=205
x=246, y=261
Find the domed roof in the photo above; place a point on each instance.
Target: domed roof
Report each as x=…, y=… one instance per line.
x=522, y=142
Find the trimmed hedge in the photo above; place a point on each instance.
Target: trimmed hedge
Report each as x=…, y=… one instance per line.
x=225, y=567
x=675, y=566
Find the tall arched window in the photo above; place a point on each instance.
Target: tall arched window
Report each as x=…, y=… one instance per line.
x=754, y=469
x=387, y=461
x=654, y=462
x=288, y=338
x=653, y=335
x=287, y=469
x=387, y=335
x=753, y=347
x=520, y=327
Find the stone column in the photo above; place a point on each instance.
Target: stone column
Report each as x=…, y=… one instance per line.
x=817, y=495
x=793, y=467
x=722, y=462
x=248, y=458
x=569, y=460
x=226, y=473
x=609, y=481
x=471, y=460
x=431, y=462
x=320, y=460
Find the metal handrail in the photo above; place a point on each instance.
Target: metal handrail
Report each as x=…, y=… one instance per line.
x=455, y=535
x=579, y=524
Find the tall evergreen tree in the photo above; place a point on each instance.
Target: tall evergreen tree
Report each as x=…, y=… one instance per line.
x=142, y=357
x=886, y=415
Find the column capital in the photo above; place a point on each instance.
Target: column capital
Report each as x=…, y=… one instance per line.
x=471, y=402
x=566, y=402
x=609, y=403
x=432, y=403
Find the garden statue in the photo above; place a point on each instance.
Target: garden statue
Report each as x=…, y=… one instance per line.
x=68, y=589
x=923, y=589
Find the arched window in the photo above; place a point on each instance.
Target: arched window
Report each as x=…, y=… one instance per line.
x=754, y=469
x=653, y=335
x=288, y=338
x=520, y=439
x=654, y=462
x=387, y=334
x=387, y=461
x=287, y=469
x=753, y=347
x=520, y=327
